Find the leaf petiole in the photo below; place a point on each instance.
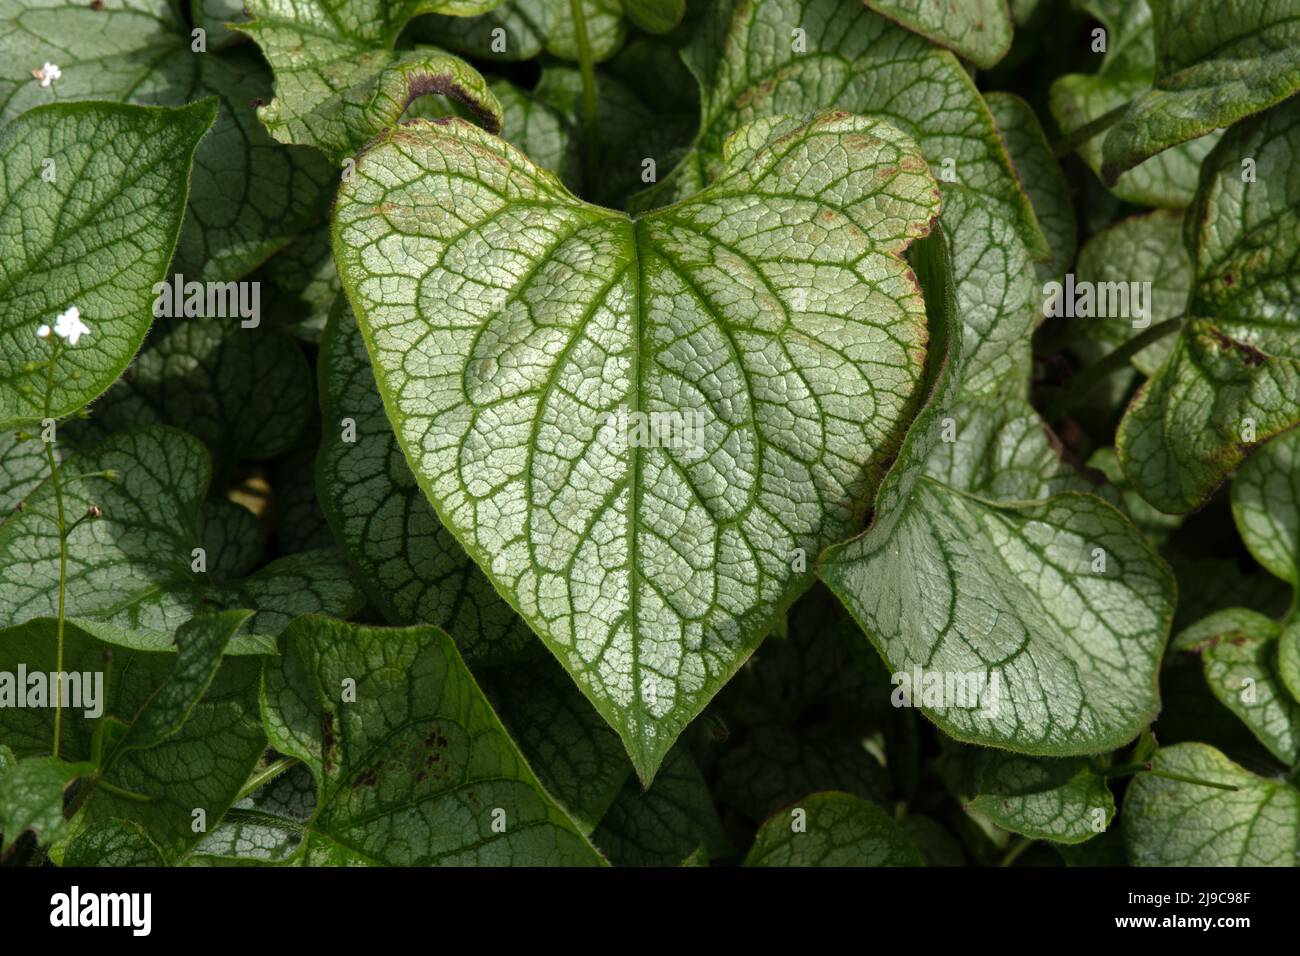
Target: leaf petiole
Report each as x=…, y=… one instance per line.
x=265, y=776
x=588, y=72
x=63, y=542
x=1083, y=383
x=1068, y=143
x=122, y=792
x=1128, y=769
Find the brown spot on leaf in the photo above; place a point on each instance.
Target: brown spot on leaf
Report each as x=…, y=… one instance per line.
x=423, y=83
x=1247, y=352
x=756, y=94
x=860, y=141
x=366, y=779
x=327, y=740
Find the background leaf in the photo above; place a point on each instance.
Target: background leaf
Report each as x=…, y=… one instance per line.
x=413, y=771
x=841, y=831
x=1173, y=823
x=116, y=201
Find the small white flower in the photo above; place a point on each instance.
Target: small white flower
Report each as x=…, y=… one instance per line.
x=48, y=73
x=43, y=332
x=68, y=325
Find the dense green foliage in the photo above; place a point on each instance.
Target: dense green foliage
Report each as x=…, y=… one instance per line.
x=649, y=432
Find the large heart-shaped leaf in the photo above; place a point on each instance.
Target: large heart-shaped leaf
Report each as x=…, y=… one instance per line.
x=248, y=196
x=1233, y=378
x=187, y=733
x=1170, y=822
x=338, y=80
x=979, y=30
x=86, y=185
x=412, y=767
x=1215, y=63
x=1058, y=609
x=135, y=566
x=515, y=331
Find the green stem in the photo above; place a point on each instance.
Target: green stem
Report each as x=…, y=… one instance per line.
x=588, y=71
x=107, y=473
x=63, y=549
x=97, y=741
x=1181, y=778
x=123, y=793
x=1127, y=769
x=1013, y=854
x=1081, y=384
x=265, y=776
x=1068, y=143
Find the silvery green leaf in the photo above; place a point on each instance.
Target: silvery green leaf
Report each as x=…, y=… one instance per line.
x=771, y=314
x=1065, y=801
x=111, y=843
x=1141, y=249
x=1215, y=63
x=1266, y=505
x=410, y=566
x=757, y=59
x=1127, y=70
x=23, y=466
x=1041, y=174
x=338, y=80
x=135, y=566
x=839, y=830
x=1047, y=618
x=1155, y=523
x=1240, y=651
x=1233, y=377
x=263, y=828
x=1178, y=823
x=978, y=30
